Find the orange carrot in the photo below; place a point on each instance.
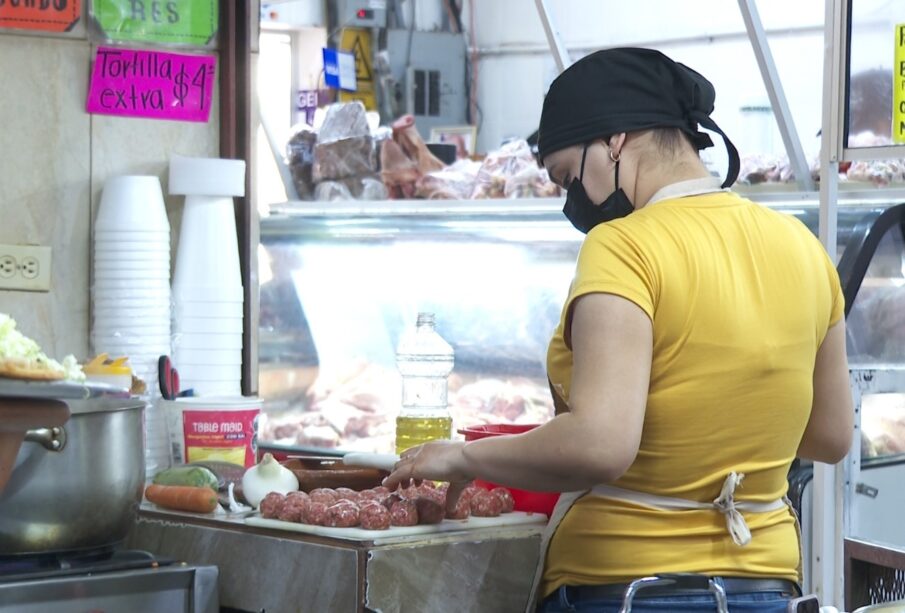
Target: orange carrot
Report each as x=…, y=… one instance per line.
x=182, y=497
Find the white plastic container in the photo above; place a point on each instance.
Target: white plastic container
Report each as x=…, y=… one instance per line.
x=213, y=428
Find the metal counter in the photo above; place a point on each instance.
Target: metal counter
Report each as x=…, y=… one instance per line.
x=278, y=571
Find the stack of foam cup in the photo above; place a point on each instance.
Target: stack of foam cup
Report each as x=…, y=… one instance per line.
x=131, y=290
x=207, y=281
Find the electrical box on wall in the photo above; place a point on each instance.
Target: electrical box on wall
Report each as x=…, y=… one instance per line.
x=25, y=267
x=362, y=13
x=294, y=13
x=431, y=71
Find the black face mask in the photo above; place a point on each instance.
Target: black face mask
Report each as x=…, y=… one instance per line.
x=583, y=213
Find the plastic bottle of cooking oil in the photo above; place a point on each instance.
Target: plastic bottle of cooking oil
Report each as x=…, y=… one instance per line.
x=424, y=360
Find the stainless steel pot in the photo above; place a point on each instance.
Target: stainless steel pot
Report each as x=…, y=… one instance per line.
x=76, y=487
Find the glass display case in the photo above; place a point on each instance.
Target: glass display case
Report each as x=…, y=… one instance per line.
x=341, y=281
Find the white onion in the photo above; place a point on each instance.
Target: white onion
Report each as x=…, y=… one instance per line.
x=268, y=476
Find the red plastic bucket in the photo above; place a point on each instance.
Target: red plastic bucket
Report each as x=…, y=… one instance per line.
x=532, y=502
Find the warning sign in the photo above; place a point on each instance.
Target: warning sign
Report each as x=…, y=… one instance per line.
x=898, y=87
x=358, y=42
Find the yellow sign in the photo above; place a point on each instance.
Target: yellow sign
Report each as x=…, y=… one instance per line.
x=358, y=41
x=898, y=87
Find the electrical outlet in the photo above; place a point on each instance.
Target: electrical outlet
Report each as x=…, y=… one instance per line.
x=25, y=267
x=8, y=266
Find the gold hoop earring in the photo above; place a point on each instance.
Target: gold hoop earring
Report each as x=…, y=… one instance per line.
x=615, y=157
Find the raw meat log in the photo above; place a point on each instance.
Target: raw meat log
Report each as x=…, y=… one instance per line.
x=317, y=514
x=429, y=510
x=295, y=508
x=505, y=497
x=271, y=505
x=323, y=494
x=374, y=516
x=403, y=513
x=485, y=504
x=406, y=134
x=343, y=514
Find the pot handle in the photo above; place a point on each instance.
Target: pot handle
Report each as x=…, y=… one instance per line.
x=52, y=439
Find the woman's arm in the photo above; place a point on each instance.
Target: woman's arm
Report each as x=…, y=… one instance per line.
x=595, y=442
x=828, y=435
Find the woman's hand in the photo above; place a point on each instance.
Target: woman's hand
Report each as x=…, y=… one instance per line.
x=434, y=461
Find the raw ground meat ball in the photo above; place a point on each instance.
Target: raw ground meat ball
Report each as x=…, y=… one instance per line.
x=403, y=513
x=462, y=510
x=505, y=497
x=381, y=490
x=368, y=496
x=294, y=509
x=298, y=495
x=345, y=493
x=271, y=505
x=429, y=510
x=485, y=504
x=323, y=494
x=390, y=500
x=437, y=496
x=374, y=516
x=317, y=514
x=343, y=514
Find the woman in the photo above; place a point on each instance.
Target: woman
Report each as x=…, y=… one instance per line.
x=702, y=343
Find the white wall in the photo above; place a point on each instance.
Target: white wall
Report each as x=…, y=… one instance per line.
x=516, y=67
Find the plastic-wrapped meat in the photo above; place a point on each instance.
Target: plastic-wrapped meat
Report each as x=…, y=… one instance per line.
x=406, y=134
x=344, y=120
x=505, y=497
x=271, y=505
x=323, y=494
x=500, y=166
x=430, y=511
x=300, y=159
x=485, y=504
x=295, y=508
x=454, y=182
x=317, y=514
x=345, y=493
x=374, y=516
x=403, y=513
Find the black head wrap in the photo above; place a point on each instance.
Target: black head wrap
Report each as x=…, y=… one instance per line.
x=626, y=90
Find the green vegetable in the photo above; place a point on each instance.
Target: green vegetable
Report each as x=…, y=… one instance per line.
x=194, y=476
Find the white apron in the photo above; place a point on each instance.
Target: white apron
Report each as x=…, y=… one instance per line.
x=725, y=503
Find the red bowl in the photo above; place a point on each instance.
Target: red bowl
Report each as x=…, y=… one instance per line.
x=531, y=502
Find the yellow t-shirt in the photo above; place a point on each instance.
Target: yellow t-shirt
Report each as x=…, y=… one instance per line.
x=740, y=297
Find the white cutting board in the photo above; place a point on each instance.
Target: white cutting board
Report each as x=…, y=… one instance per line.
x=516, y=518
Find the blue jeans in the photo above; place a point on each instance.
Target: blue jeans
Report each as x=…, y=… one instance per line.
x=759, y=602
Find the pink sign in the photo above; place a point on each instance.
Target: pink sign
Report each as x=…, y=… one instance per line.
x=135, y=83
